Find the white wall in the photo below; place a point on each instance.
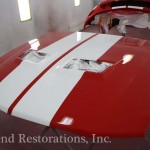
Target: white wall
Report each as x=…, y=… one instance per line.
x=47, y=15
x=96, y=2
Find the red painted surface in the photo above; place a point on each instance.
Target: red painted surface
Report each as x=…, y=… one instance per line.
x=8, y=65
x=114, y=103
x=16, y=101
x=105, y=6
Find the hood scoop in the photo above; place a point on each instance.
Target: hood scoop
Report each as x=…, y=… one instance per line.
x=87, y=65
x=34, y=56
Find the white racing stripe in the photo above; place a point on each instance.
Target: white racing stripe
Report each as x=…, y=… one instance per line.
x=135, y=7
x=118, y=7
x=26, y=72
x=46, y=96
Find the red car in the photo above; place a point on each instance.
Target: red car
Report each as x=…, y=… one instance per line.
x=84, y=83
x=131, y=17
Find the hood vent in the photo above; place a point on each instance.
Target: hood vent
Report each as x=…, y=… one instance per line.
x=34, y=56
x=88, y=65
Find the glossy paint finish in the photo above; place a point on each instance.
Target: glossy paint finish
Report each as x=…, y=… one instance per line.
x=27, y=72
x=8, y=65
x=119, y=6
x=50, y=88
x=116, y=102
x=25, y=81
x=113, y=103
